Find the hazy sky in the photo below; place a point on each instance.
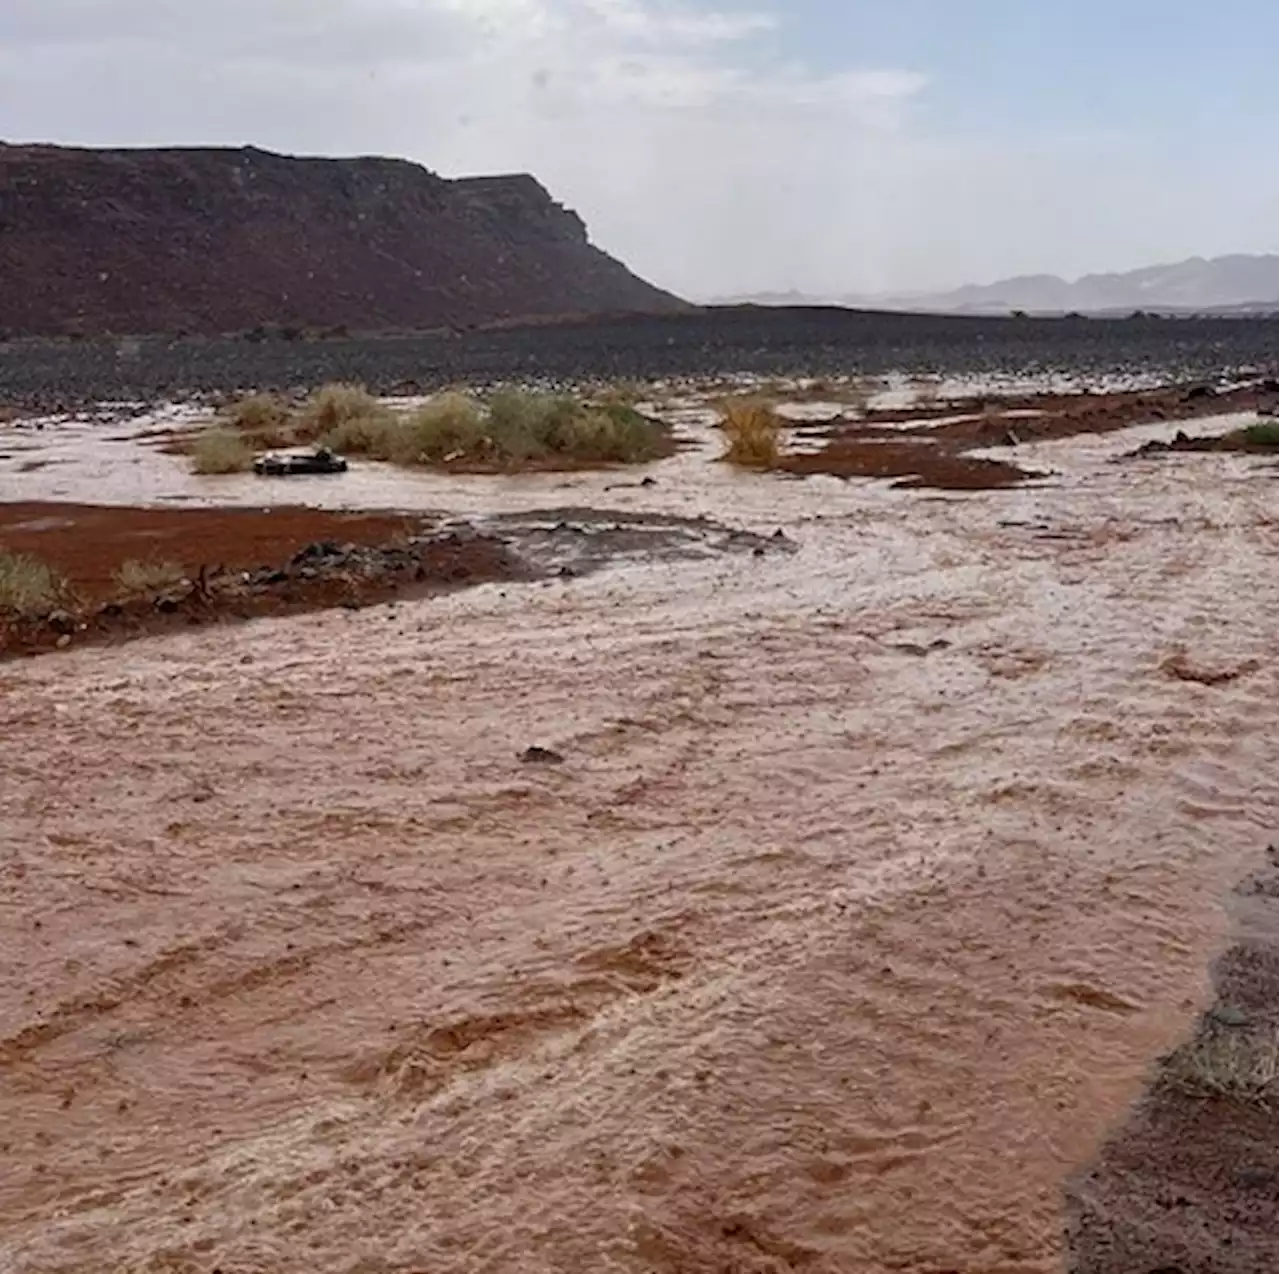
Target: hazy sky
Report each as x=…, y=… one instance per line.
x=826, y=145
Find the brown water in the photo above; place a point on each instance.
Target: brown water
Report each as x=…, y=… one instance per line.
x=829, y=946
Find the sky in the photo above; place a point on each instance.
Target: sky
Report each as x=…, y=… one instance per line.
x=826, y=146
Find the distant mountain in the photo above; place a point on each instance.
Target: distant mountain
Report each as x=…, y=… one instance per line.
x=1194, y=284
x=1219, y=283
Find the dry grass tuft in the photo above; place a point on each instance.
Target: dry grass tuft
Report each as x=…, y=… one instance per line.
x=136, y=578
x=753, y=433
x=220, y=451
x=1227, y=1064
x=29, y=586
x=265, y=418
x=519, y=427
x=449, y=426
x=338, y=406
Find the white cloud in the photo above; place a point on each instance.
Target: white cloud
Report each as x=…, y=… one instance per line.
x=693, y=151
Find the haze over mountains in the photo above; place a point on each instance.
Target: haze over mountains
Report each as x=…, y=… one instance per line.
x=1230, y=282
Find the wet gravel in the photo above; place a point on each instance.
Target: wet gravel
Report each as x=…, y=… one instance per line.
x=60, y=375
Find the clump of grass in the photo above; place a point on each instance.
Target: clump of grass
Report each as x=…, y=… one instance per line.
x=219, y=450
x=136, y=578
x=518, y=428
x=338, y=406
x=1226, y=1064
x=447, y=427
x=753, y=431
x=1262, y=433
x=29, y=586
x=266, y=418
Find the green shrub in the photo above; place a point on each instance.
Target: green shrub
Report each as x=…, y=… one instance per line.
x=1263, y=433
x=339, y=406
x=447, y=427
x=266, y=418
x=29, y=586
x=136, y=578
x=220, y=451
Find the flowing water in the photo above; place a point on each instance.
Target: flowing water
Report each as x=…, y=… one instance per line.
x=871, y=880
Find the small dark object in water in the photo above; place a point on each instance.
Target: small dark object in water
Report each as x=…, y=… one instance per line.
x=279, y=464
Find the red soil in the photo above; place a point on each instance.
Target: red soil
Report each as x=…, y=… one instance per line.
x=931, y=454
x=88, y=544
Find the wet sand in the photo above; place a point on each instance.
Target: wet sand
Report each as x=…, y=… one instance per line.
x=873, y=878
x=1189, y=1181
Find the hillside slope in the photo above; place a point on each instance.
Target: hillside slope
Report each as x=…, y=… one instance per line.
x=215, y=240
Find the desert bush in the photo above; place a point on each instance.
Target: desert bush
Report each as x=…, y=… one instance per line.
x=1227, y=1064
x=1262, y=433
x=29, y=586
x=521, y=427
x=220, y=451
x=136, y=578
x=753, y=431
x=449, y=425
x=363, y=435
x=266, y=418
x=339, y=406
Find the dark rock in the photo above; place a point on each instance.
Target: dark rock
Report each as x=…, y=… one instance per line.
x=61, y=622
x=400, y=246
x=535, y=755
x=166, y=605
x=313, y=552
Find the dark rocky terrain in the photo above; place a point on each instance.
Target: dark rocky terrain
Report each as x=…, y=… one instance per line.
x=218, y=240
x=53, y=375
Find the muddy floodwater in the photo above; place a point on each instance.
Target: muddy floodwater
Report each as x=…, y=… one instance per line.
x=869, y=881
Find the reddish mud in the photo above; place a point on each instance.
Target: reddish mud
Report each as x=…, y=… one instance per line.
x=1189, y=1182
x=215, y=549
x=915, y=463
x=1065, y=415
x=872, y=878
x=1238, y=440
x=932, y=452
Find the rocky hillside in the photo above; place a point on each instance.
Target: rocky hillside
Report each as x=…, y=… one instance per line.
x=219, y=240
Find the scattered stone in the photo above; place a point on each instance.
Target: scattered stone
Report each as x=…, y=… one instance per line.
x=63, y=642
x=535, y=755
x=1229, y=1015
